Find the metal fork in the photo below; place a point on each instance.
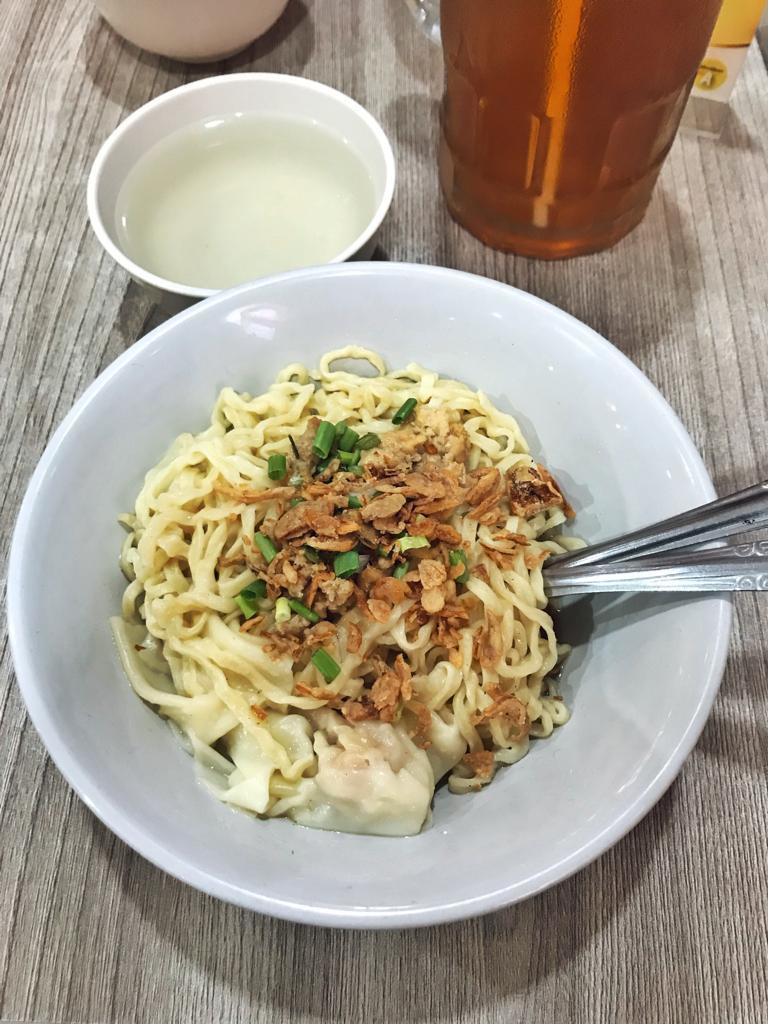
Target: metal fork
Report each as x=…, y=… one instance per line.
x=659, y=557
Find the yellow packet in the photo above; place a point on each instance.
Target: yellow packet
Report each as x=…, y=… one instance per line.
x=724, y=59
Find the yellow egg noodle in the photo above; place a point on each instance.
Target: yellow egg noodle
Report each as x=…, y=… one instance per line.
x=260, y=741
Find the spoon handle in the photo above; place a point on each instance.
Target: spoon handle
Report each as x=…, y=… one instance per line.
x=737, y=513
x=738, y=567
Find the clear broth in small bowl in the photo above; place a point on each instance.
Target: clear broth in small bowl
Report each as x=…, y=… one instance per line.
x=234, y=198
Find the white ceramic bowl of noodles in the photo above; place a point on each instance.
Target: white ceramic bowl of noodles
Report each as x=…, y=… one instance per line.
x=640, y=682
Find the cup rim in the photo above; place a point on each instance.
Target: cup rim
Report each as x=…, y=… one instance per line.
x=95, y=177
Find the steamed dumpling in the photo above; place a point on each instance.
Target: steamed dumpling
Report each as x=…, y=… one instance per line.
x=371, y=778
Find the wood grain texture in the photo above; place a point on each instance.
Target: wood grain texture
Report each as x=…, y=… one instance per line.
x=670, y=925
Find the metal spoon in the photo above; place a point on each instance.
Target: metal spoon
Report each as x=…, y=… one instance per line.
x=733, y=567
x=741, y=512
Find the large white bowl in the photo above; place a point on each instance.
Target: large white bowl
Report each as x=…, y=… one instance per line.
x=640, y=688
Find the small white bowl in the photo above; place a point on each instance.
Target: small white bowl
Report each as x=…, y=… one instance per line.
x=270, y=94
x=640, y=686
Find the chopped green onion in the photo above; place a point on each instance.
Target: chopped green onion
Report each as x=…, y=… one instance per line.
x=296, y=501
x=282, y=610
x=368, y=441
x=302, y=610
x=354, y=502
x=357, y=470
x=327, y=666
x=277, y=467
x=404, y=411
x=401, y=570
x=339, y=429
x=257, y=590
x=348, y=439
x=407, y=543
x=346, y=564
x=293, y=445
x=456, y=556
x=311, y=555
x=247, y=606
x=325, y=435
x=348, y=458
x=265, y=546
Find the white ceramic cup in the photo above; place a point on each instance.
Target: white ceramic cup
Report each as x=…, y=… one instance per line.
x=229, y=94
x=191, y=30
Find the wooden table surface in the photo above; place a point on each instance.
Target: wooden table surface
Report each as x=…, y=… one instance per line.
x=668, y=926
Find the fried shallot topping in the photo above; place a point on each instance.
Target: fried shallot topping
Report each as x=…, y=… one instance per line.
x=354, y=543
x=508, y=707
x=532, y=489
x=481, y=764
x=390, y=687
x=489, y=641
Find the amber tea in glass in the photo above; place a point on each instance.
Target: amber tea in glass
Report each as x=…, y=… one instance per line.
x=558, y=114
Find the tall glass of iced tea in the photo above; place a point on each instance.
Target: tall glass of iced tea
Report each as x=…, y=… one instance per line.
x=558, y=114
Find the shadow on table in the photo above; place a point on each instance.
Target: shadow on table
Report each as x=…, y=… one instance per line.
x=736, y=734
x=735, y=135
x=412, y=120
x=137, y=316
x=292, y=972
x=418, y=55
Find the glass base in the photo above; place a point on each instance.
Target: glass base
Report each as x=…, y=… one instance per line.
x=540, y=245
x=512, y=220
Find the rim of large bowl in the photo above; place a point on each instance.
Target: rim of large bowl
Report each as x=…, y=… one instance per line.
x=115, y=817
